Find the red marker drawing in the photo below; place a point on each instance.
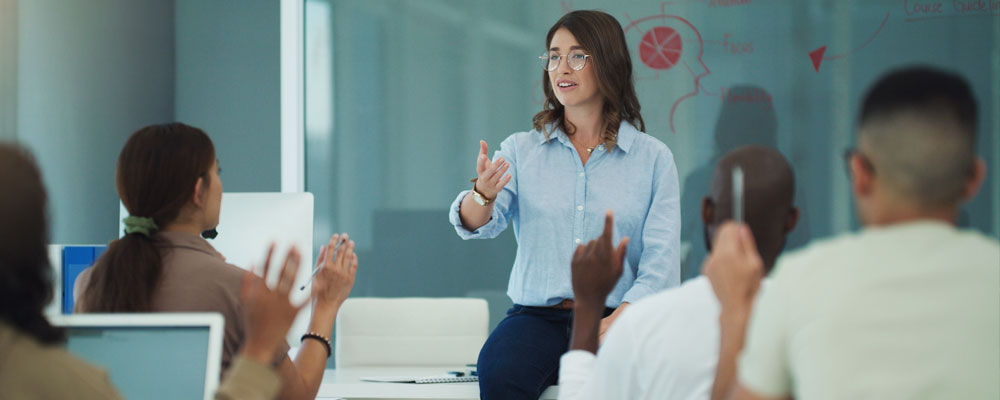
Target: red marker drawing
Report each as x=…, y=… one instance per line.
x=817, y=55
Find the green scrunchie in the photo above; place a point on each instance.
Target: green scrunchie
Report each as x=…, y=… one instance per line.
x=141, y=225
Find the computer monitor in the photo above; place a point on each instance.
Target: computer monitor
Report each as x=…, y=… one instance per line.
x=151, y=355
x=249, y=222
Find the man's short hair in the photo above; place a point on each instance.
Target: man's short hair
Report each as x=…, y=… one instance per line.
x=918, y=127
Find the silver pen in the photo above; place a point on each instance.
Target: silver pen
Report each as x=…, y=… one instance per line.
x=315, y=271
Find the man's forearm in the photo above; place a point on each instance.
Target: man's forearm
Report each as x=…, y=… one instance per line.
x=586, y=327
x=732, y=333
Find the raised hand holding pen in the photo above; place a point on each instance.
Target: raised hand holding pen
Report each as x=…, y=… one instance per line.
x=336, y=269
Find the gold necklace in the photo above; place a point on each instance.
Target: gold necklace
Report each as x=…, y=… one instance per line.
x=589, y=149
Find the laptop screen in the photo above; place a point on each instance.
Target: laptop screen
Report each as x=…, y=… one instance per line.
x=155, y=361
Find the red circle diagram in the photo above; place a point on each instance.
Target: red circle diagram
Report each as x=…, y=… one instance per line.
x=660, y=48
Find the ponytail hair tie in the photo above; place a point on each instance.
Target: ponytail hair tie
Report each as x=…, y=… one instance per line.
x=141, y=225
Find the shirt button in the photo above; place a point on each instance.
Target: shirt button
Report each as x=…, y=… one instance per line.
x=581, y=174
x=577, y=240
x=579, y=208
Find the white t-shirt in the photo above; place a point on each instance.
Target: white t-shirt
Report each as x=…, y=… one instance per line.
x=906, y=311
x=664, y=346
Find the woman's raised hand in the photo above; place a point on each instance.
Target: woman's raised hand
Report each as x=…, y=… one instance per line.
x=491, y=176
x=337, y=268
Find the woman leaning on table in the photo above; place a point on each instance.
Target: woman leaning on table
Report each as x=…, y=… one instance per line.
x=585, y=154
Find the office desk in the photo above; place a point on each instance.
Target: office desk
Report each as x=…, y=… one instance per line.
x=346, y=383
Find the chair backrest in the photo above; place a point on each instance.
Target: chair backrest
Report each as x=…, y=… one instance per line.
x=410, y=331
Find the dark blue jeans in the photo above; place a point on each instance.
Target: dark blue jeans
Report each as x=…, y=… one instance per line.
x=521, y=357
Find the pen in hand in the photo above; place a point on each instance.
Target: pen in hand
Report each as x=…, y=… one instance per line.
x=315, y=271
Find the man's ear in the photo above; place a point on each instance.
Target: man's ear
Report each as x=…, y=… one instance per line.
x=792, y=219
x=862, y=177
x=975, y=181
x=707, y=211
x=198, y=195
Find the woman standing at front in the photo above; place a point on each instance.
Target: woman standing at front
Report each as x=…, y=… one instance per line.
x=584, y=156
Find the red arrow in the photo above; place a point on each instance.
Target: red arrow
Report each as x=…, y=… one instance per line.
x=817, y=55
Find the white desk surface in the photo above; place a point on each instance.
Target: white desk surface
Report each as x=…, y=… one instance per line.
x=346, y=383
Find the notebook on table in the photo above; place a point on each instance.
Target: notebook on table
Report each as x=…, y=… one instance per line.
x=422, y=379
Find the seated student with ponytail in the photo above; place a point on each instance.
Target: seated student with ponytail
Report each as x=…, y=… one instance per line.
x=34, y=364
x=168, y=180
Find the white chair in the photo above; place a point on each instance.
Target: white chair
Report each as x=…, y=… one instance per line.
x=411, y=332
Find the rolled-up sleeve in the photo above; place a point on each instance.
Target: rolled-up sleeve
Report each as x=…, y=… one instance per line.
x=249, y=380
x=504, y=206
x=659, y=263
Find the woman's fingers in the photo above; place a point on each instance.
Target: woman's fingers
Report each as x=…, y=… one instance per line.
x=491, y=172
x=267, y=260
x=482, y=160
x=288, y=271
x=331, y=248
x=345, y=263
x=503, y=182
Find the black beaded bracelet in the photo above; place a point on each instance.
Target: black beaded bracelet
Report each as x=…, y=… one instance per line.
x=321, y=339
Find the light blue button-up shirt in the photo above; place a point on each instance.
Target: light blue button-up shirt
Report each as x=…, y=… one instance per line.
x=555, y=203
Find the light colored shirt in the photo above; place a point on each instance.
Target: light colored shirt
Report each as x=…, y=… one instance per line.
x=556, y=203
x=907, y=311
x=666, y=346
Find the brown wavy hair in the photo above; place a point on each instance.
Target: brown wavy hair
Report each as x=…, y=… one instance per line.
x=602, y=37
x=25, y=272
x=157, y=172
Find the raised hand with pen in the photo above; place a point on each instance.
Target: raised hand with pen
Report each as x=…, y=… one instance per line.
x=336, y=267
x=332, y=281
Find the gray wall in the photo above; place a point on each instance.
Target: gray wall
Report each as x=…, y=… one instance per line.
x=76, y=78
x=228, y=83
x=89, y=73
x=8, y=69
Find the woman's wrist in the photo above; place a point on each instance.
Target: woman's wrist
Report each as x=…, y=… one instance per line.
x=258, y=352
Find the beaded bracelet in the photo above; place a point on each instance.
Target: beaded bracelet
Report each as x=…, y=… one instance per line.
x=319, y=338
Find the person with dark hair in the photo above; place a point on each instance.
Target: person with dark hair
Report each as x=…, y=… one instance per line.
x=168, y=180
x=34, y=364
x=665, y=346
x=909, y=307
x=586, y=154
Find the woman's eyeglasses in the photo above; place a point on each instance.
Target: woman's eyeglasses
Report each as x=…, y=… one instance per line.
x=575, y=60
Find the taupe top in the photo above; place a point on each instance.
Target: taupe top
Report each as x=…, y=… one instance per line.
x=32, y=370
x=196, y=278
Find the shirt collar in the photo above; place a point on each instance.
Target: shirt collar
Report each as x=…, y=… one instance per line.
x=626, y=136
x=189, y=241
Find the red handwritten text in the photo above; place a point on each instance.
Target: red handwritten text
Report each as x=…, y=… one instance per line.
x=734, y=47
x=745, y=95
x=727, y=3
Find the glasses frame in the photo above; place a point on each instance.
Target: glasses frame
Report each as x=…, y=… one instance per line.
x=547, y=62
